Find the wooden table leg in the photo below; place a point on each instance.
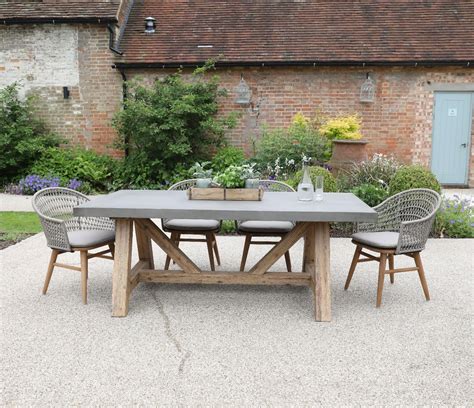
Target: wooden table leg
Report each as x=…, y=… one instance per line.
x=322, y=278
x=145, y=250
x=308, y=251
x=122, y=265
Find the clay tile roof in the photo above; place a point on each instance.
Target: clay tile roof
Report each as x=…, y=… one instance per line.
x=45, y=11
x=300, y=31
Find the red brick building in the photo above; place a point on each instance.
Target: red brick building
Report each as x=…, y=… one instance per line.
x=296, y=56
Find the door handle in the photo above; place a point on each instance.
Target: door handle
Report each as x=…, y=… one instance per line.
x=464, y=145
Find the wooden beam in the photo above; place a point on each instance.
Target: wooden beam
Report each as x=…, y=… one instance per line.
x=308, y=249
x=322, y=278
x=144, y=246
x=279, y=249
x=168, y=246
x=134, y=274
x=229, y=278
x=122, y=263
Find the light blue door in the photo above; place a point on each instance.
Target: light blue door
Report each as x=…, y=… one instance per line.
x=451, y=137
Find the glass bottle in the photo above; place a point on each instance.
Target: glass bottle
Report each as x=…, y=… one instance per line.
x=305, y=188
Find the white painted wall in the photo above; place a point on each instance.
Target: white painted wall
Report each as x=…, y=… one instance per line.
x=39, y=56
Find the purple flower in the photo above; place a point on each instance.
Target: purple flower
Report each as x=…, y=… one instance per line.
x=33, y=183
x=74, y=184
x=452, y=221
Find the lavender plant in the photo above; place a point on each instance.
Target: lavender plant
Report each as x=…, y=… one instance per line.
x=455, y=218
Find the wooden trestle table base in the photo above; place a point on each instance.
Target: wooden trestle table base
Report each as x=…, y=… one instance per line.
x=312, y=224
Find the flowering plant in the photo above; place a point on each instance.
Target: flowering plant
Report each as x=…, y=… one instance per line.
x=33, y=183
x=455, y=218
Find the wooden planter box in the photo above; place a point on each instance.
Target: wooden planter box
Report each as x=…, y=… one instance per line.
x=229, y=194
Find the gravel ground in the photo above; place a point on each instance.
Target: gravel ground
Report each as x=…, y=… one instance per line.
x=234, y=345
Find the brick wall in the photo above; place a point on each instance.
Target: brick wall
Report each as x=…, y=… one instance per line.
x=45, y=58
x=398, y=122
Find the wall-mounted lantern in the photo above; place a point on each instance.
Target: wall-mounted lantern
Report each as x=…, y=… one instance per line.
x=66, y=92
x=244, y=94
x=367, y=90
x=150, y=25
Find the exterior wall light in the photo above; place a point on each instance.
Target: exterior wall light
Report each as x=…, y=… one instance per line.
x=244, y=94
x=367, y=90
x=150, y=25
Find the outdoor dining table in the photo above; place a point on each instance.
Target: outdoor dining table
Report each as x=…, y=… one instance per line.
x=137, y=208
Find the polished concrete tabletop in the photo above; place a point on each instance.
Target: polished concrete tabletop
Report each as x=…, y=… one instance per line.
x=275, y=206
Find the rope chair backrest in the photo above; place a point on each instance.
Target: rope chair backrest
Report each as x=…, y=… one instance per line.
x=183, y=185
x=275, y=186
x=54, y=207
x=411, y=213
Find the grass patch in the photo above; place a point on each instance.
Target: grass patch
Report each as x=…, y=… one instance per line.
x=14, y=225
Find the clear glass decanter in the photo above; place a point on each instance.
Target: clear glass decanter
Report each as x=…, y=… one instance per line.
x=305, y=188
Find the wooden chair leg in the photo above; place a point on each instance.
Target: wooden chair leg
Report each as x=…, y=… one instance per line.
x=421, y=274
x=248, y=240
x=391, y=266
x=355, y=259
x=168, y=259
x=382, y=266
x=84, y=276
x=210, y=250
x=216, y=250
x=112, y=250
x=288, y=261
x=49, y=273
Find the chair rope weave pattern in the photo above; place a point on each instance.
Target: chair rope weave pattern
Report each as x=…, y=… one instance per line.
x=411, y=213
x=54, y=207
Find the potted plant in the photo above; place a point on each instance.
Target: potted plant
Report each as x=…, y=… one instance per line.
x=348, y=147
x=251, y=175
x=203, y=176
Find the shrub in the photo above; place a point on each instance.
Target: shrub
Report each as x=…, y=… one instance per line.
x=414, y=176
x=370, y=194
x=329, y=180
x=344, y=127
x=172, y=123
x=455, y=218
x=227, y=156
x=92, y=169
x=279, y=152
x=23, y=137
x=377, y=171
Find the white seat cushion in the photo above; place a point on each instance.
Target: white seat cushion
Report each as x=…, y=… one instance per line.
x=192, y=225
x=383, y=239
x=266, y=226
x=88, y=238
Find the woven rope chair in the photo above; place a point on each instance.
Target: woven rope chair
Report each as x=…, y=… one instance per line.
x=402, y=228
x=66, y=233
x=179, y=227
x=270, y=229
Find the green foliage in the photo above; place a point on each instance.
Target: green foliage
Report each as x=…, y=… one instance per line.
x=455, y=218
x=23, y=137
x=370, y=194
x=199, y=170
x=414, y=176
x=170, y=124
x=231, y=177
x=227, y=156
x=329, y=180
x=228, y=227
x=136, y=172
x=96, y=171
x=342, y=128
x=377, y=171
x=280, y=151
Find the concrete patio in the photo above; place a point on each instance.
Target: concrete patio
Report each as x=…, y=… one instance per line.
x=235, y=345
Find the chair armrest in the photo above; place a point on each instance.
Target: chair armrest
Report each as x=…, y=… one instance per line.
x=55, y=232
x=414, y=234
x=387, y=219
x=94, y=223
